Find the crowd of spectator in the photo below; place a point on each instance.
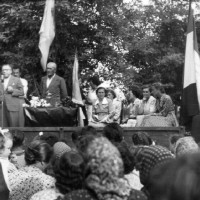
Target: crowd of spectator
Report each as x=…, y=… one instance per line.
x=98, y=166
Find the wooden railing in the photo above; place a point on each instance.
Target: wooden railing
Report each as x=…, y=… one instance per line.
x=159, y=134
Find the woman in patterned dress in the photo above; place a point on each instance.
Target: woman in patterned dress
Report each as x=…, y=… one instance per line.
x=30, y=179
x=165, y=112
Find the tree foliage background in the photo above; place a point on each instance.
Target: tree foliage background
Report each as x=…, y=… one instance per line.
x=138, y=44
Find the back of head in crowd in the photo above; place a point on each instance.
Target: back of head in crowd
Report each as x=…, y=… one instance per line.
x=186, y=145
x=50, y=139
x=172, y=142
x=178, y=180
x=85, y=131
x=127, y=157
x=6, y=143
x=148, y=159
x=88, y=130
x=59, y=148
x=69, y=172
x=83, y=144
x=114, y=132
x=141, y=138
x=38, y=151
x=18, y=139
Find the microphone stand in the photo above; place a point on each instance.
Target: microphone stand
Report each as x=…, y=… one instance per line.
x=2, y=103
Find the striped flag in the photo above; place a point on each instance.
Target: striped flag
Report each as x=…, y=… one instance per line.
x=76, y=93
x=191, y=84
x=47, y=31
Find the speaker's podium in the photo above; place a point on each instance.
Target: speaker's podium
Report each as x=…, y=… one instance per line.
x=195, y=131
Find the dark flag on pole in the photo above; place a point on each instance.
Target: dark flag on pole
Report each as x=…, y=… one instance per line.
x=191, y=83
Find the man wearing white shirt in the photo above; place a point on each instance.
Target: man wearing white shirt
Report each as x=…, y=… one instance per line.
x=53, y=87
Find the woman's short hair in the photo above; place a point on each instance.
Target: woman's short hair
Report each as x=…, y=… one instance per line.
x=158, y=86
x=141, y=138
x=114, y=132
x=100, y=88
x=38, y=151
x=112, y=92
x=18, y=138
x=127, y=157
x=69, y=172
x=136, y=91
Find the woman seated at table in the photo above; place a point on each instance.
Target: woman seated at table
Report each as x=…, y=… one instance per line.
x=117, y=104
x=165, y=112
x=102, y=110
x=147, y=105
x=133, y=96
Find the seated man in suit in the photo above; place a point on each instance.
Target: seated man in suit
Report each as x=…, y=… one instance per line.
x=11, y=90
x=53, y=87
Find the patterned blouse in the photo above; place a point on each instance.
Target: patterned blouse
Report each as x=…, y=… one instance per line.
x=28, y=181
x=165, y=105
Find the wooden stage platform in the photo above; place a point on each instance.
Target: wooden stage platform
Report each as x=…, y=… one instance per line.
x=159, y=134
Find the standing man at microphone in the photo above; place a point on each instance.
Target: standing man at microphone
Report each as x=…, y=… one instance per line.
x=11, y=90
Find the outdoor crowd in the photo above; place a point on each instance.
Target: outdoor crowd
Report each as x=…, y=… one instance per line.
x=98, y=167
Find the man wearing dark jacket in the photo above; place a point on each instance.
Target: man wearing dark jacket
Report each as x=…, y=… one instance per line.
x=53, y=87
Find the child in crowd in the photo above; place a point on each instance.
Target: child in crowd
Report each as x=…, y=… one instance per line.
x=17, y=155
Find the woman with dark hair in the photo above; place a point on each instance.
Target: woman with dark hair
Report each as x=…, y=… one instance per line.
x=30, y=179
x=69, y=176
x=141, y=138
x=102, y=110
x=92, y=97
x=165, y=111
x=17, y=155
x=116, y=104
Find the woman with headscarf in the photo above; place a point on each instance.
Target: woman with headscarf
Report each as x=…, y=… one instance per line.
x=165, y=111
x=105, y=173
x=147, y=159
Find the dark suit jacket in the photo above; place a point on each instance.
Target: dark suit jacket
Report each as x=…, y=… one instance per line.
x=57, y=88
x=12, y=101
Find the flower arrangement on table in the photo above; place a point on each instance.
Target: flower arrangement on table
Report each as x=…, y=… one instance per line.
x=36, y=102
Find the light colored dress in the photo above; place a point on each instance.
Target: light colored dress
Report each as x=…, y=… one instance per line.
x=49, y=194
x=133, y=111
x=117, y=108
x=92, y=97
x=101, y=112
x=146, y=107
x=134, y=180
x=165, y=114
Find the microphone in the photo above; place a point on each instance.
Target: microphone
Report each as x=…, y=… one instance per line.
x=2, y=78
